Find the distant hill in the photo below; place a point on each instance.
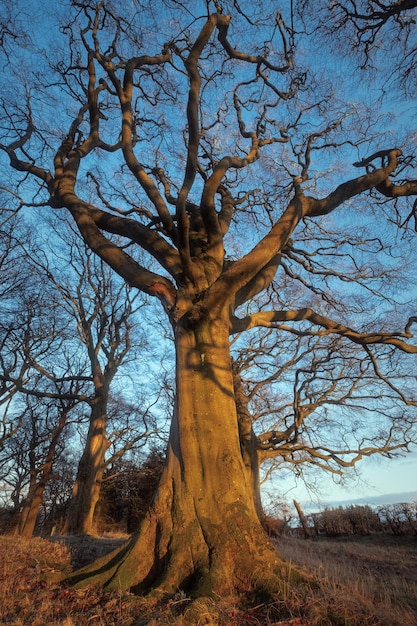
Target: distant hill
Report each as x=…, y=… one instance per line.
x=374, y=500
x=387, y=498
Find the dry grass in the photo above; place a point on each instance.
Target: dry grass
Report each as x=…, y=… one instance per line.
x=361, y=582
x=368, y=580
x=27, y=600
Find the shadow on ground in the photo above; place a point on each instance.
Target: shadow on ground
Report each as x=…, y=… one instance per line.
x=86, y=549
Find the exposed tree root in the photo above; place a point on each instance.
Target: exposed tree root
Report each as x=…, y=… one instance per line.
x=199, y=561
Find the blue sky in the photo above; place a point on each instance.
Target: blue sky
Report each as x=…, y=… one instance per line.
x=380, y=481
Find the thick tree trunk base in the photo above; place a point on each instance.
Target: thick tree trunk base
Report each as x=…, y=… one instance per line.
x=202, y=536
x=183, y=551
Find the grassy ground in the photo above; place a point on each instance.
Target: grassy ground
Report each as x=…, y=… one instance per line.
x=371, y=581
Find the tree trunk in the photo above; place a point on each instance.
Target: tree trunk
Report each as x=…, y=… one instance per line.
x=86, y=490
x=33, y=501
x=30, y=511
x=202, y=533
x=248, y=441
x=26, y=519
x=308, y=533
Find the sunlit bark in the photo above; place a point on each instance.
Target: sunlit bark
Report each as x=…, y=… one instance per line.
x=86, y=490
x=202, y=532
x=33, y=501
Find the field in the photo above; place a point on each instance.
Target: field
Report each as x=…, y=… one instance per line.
x=368, y=581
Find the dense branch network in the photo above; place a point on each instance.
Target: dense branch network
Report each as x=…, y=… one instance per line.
x=329, y=381
x=373, y=25
x=181, y=218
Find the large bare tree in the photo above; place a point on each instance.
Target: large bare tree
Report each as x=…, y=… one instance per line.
x=178, y=137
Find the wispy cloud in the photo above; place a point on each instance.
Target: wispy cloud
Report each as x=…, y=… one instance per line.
x=371, y=500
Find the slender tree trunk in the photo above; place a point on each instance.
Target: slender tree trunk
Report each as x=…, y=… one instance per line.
x=86, y=490
x=308, y=533
x=248, y=441
x=33, y=502
x=30, y=511
x=202, y=533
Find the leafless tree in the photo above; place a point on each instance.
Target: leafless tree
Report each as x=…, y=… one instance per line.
x=301, y=425
x=13, y=274
x=103, y=311
x=44, y=445
x=66, y=348
x=409, y=510
x=392, y=517
x=214, y=174
x=37, y=397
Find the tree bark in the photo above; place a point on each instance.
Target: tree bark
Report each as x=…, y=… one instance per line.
x=307, y=530
x=202, y=533
x=30, y=511
x=86, y=490
x=29, y=514
x=248, y=442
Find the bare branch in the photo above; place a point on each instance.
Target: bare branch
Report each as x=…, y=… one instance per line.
x=272, y=319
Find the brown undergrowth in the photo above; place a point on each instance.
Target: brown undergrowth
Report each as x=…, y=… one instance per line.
x=370, y=580
x=363, y=582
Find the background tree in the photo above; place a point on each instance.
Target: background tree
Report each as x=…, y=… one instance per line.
x=172, y=148
x=41, y=461
x=33, y=333
x=43, y=388
x=102, y=310
x=60, y=344
x=296, y=392
x=353, y=519
x=129, y=485
x=13, y=275
x=57, y=493
x=398, y=518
